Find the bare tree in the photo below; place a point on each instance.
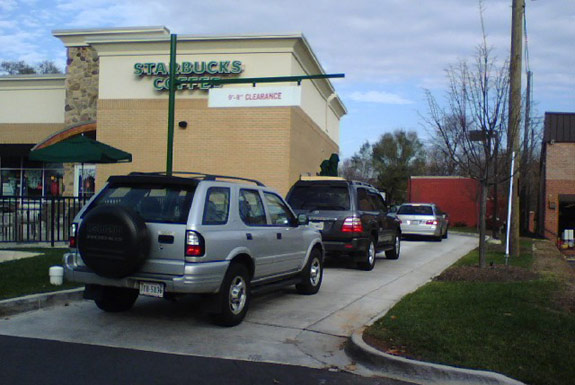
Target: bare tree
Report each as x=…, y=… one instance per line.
x=48, y=67
x=23, y=68
x=360, y=165
x=16, y=68
x=439, y=162
x=471, y=128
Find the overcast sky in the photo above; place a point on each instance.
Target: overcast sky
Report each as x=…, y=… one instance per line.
x=389, y=50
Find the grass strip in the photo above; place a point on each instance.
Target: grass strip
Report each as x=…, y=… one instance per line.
x=30, y=275
x=512, y=328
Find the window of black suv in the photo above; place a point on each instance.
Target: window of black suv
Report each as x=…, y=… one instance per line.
x=318, y=197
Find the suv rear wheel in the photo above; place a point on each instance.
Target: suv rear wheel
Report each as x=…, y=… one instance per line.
x=234, y=296
x=368, y=262
x=394, y=253
x=116, y=299
x=312, y=274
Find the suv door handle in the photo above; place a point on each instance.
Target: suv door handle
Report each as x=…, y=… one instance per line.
x=249, y=236
x=279, y=235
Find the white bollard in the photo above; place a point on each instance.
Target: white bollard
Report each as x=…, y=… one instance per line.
x=56, y=275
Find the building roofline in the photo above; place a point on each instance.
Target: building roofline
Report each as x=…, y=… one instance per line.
x=32, y=77
x=110, y=31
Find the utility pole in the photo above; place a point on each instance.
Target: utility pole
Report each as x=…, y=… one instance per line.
x=515, y=116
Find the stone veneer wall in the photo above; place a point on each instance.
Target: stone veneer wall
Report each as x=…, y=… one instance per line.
x=82, y=76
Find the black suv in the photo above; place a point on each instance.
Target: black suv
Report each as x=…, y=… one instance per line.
x=352, y=217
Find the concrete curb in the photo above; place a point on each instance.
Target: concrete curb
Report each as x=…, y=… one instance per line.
x=416, y=371
x=39, y=301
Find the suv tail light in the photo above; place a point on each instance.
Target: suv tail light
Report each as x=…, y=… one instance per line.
x=352, y=225
x=195, y=246
x=72, y=239
x=433, y=222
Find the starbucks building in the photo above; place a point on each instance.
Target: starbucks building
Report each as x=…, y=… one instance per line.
x=116, y=91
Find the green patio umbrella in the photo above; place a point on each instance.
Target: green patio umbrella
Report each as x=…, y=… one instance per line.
x=80, y=149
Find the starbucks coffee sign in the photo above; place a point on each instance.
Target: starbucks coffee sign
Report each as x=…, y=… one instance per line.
x=188, y=71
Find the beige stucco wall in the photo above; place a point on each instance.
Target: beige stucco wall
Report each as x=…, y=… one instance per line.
x=32, y=99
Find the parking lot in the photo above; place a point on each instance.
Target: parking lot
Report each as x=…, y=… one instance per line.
x=280, y=327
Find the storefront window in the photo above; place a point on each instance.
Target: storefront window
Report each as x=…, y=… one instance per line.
x=21, y=177
x=10, y=182
x=85, y=176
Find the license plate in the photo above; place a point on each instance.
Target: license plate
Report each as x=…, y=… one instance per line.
x=152, y=289
x=412, y=222
x=317, y=225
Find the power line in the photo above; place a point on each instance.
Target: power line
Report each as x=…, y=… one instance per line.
x=526, y=49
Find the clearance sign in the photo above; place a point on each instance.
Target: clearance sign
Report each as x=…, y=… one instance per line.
x=255, y=97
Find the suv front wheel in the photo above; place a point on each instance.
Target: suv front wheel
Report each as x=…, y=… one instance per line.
x=234, y=296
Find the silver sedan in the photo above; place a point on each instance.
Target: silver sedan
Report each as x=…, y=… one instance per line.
x=424, y=219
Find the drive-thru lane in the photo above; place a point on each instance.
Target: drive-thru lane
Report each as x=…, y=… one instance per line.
x=281, y=327
x=54, y=362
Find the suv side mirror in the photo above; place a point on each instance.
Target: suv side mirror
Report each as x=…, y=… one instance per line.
x=302, y=220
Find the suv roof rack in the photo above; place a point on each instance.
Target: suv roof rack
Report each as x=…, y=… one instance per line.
x=360, y=183
x=198, y=175
x=319, y=178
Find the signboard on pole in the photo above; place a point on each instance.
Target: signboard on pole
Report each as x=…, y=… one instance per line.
x=255, y=97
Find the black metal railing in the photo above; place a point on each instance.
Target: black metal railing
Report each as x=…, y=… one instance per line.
x=37, y=219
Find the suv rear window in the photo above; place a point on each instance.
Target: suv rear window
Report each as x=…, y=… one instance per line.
x=320, y=197
x=417, y=210
x=154, y=203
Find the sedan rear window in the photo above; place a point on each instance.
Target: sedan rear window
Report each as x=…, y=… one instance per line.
x=415, y=210
x=320, y=198
x=154, y=203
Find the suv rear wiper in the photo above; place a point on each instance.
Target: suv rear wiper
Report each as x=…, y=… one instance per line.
x=324, y=207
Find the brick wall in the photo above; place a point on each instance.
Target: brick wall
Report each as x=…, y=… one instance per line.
x=560, y=179
x=309, y=146
x=29, y=133
x=273, y=145
x=458, y=197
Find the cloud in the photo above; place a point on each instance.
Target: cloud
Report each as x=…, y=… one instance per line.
x=381, y=97
x=401, y=46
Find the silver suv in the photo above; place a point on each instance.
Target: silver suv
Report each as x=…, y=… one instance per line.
x=164, y=236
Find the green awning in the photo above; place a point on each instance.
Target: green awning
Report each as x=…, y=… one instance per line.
x=80, y=149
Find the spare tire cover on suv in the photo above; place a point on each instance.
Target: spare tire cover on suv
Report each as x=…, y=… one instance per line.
x=113, y=241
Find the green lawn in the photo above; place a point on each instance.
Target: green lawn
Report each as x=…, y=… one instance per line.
x=508, y=327
x=496, y=254
x=464, y=229
x=30, y=275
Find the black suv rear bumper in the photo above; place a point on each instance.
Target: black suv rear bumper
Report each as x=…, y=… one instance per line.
x=355, y=247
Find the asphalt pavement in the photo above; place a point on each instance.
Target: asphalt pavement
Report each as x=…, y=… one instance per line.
x=61, y=363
